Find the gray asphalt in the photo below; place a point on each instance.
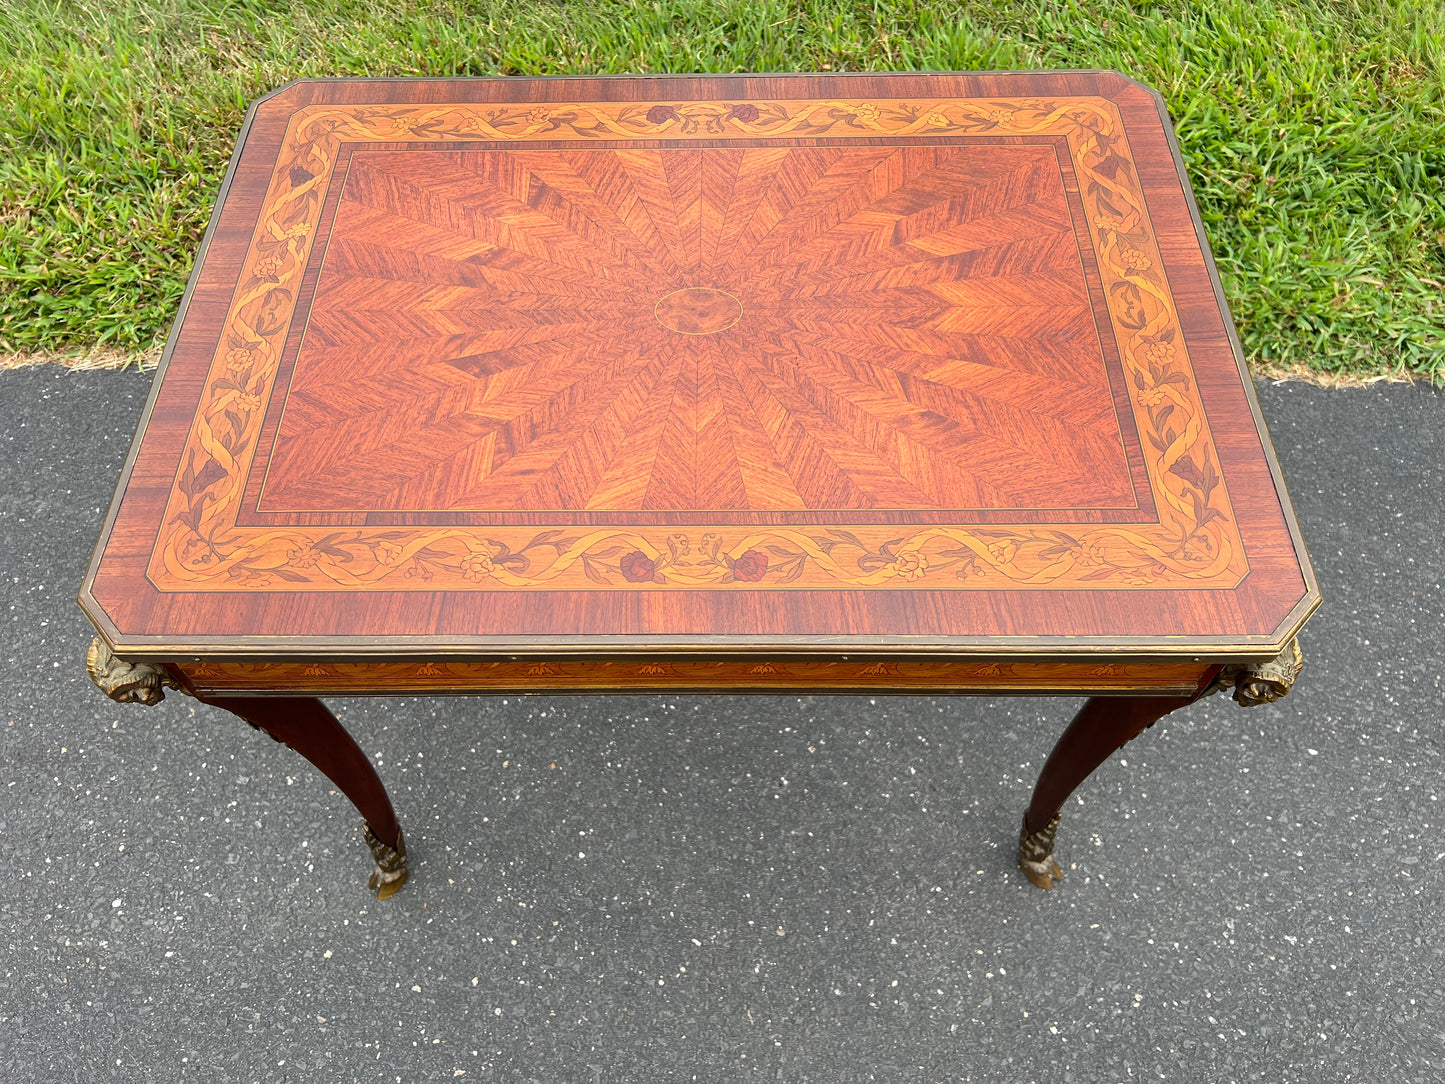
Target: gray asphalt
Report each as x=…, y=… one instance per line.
x=711, y=888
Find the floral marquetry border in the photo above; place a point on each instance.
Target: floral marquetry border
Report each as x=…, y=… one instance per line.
x=1195, y=543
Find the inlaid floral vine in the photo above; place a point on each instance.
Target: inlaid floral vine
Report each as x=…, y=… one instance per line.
x=1195, y=542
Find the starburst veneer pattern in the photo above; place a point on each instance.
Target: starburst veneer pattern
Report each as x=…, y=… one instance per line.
x=770, y=329
x=729, y=344
x=911, y=383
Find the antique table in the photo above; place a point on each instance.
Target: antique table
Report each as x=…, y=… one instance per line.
x=906, y=383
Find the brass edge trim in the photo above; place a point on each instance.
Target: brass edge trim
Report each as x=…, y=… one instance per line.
x=1295, y=620
x=710, y=690
x=1021, y=648
x=704, y=657
x=98, y=617
x=1313, y=598
x=1219, y=649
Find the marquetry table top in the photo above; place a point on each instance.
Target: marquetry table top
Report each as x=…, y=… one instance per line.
x=893, y=363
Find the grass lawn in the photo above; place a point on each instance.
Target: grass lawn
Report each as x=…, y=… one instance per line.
x=1314, y=131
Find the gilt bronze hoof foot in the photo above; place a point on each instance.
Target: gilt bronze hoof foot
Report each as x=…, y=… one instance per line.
x=1036, y=854
x=390, y=872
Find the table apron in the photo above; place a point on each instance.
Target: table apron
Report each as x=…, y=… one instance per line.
x=412, y=677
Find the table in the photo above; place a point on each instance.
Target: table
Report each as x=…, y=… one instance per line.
x=911, y=383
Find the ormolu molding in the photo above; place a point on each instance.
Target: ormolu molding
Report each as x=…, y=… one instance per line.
x=1261, y=682
x=126, y=682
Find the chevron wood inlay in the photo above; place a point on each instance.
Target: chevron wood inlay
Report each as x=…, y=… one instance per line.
x=805, y=343
x=688, y=329
x=788, y=366
x=898, y=383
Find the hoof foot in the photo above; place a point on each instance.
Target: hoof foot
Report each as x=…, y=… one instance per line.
x=386, y=889
x=390, y=872
x=1043, y=874
x=1036, y=854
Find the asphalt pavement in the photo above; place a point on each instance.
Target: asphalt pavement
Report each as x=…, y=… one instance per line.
x=679, y=888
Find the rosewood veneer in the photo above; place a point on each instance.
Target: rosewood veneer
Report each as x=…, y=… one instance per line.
x=895, y=383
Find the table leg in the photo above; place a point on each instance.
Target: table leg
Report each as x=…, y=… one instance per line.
x=308, y=727
x=304, y=724
x=1104, y=724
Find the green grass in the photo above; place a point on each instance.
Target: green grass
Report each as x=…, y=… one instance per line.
x=1314, y=131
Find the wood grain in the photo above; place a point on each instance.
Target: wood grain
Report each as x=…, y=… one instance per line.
x=489, y=333
x=910, y=434
x=730, y=675
x=553, y=388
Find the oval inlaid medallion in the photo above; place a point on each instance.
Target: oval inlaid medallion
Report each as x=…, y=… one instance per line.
x=698, y=310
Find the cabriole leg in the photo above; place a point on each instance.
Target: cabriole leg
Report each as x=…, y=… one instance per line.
x=305, y=725
x=1104, y=724
x=302, y=723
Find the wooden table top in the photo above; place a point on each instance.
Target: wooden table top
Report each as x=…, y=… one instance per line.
x=893, y=363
